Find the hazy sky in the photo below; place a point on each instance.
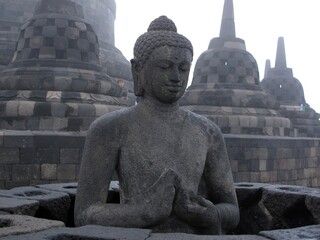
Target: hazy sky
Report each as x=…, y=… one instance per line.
x=258, y=22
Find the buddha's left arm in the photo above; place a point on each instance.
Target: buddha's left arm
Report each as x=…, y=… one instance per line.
x=220, y=185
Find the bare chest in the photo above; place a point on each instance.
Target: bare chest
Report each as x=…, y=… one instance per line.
x=147, y=152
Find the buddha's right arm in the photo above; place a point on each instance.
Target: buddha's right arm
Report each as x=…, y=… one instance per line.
x=99, y=161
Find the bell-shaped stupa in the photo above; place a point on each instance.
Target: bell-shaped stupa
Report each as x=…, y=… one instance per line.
x=280, y=83
x=55, y=81
x=226, y=87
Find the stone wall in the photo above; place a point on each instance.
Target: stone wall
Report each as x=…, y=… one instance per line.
x=34, y=157
x=31, y=157
x=275, y=159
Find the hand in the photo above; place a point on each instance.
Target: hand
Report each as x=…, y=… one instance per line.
x=157, y=201
x=195, y=210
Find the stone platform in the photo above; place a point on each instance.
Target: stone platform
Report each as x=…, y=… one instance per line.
x=257, y=222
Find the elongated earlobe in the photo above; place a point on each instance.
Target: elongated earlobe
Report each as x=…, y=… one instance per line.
x=136, y=79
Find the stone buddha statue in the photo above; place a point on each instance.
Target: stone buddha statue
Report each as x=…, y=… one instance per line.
x=173, y=168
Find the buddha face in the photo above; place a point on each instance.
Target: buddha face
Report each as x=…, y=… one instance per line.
x=164, y=76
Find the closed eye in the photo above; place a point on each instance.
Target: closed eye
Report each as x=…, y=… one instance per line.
x=184, y=67
x=164, y=66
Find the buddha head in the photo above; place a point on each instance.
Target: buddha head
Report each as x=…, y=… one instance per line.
x=162, y=61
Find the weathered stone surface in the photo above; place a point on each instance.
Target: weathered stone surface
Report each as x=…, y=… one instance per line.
x=182, y=236
x=87, y=232
x=249, y=193
x=286, y=205
x=253, y=215
x=226, y=87
x=70, y=188
x=313, y=204
x=52, y=205
x=18, y=206
x=162, y=187
x=302, y=233
x=18, y=224
x=280, y=83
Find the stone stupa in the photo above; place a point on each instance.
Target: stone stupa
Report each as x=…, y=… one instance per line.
x=55, y=81
x=280, y=83
x=226, y=89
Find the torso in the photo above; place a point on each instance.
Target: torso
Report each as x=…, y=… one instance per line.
x=151, y=143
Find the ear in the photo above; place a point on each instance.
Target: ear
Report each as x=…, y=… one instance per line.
x=136, y=68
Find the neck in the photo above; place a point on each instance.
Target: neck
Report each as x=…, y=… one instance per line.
x=156, y=105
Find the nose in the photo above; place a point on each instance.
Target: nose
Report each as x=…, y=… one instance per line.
x=175, y=75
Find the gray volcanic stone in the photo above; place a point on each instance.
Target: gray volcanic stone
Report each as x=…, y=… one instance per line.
x=183, y=236
x=20, y=224
x=302, y=233
x=53, y=205
x=70, y=188
x=248, y=193
x=18, y=206
x=313, y=204
x=286, y=205
x=253, y=215
x=166, y=184
x=89, y=232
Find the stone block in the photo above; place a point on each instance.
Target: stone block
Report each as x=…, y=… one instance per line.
x=66, y=172
x=9, y=155
x=59, y=124
x=26, y=155
x=52, y=205
x=86, y=110
x=26, y=108
x=49, y=31
x=70, y=188
x=25, y=172
x=87, y=232
x=1, y=138
x=184, y=236
x=47, y=53
x=61, y=23
x=58, y=109
x=18, y=139
x=70, y=155
x=49, y=171
x=17, y=224
x=291, y=164
x=265, y=177
x=100, y=110
x=72, y=33
x=286, y=205
x=36, y=42
x=73, y=54
x=47, y=155
x=81, y=26
x=83, y=45
x=301, y=233
x=18, y=206
x=60, y=43
x=262, y=165
x=40, y=22
x=45, y=124
x=312, y=202
x=5, y=171
x=13, y=184
x=12, y=108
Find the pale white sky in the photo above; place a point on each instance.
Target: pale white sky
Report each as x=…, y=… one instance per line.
x=258, y=22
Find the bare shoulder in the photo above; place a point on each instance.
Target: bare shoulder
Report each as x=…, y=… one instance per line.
x=112, y=121
x=204, y=123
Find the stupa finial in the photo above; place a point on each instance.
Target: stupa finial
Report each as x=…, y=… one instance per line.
x=281, y=61
x=267, y=68
x=227, y=29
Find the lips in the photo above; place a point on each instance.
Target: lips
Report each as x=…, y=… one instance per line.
x=173, y=88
